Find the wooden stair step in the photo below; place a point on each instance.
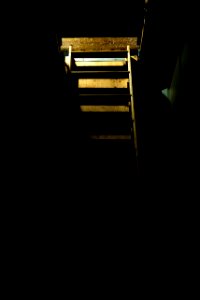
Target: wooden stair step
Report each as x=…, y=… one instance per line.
x=111, y=137
x=99, y=64
x=102, y=83
x=104, y=108
x=96, y=44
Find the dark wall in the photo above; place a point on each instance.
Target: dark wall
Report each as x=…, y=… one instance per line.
x=102, y=18
x=170, y=135
x=164, y=34
x=170, y=59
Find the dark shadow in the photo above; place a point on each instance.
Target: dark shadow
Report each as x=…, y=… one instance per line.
x=102, y=19
x=71, y=208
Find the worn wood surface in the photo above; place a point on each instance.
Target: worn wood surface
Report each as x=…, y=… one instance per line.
x=99, y=44
x=103, y=83
x=101, y=64
x=111, y=137
x=104, y=108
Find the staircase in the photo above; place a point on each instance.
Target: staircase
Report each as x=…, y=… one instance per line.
x=106, y=101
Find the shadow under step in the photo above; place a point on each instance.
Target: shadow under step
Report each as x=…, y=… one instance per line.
x=110, y=92
x=113, y=156
x=99, y=54
x=101, y=74
x=101, y=123
x=102, y=68
x=104, y=99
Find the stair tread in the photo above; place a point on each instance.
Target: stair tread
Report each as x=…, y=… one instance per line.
x=105, y=108
x=111, y=137
x=103, y=81
x=99, y=44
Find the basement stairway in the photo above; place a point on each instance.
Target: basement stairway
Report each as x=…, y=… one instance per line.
x=102, y=71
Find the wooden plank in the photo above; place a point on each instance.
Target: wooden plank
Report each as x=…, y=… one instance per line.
x=70, y=57
x=100, y=64
x=132, y=101
x=103, y=83
x=104, y=108
x=99, y=44
x=111, y=137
